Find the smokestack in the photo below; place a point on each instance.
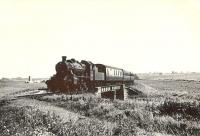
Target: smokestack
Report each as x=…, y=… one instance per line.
x=64, y=58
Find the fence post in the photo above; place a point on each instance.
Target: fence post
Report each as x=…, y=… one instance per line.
x=115, y=95
x=98, y=93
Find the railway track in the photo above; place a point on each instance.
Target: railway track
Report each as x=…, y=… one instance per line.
x=29, y=94
x=34, y=95
x=40, y=93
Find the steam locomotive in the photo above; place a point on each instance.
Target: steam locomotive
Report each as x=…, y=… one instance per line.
x=72, y=75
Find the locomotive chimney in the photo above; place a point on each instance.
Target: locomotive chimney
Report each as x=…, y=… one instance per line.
x=64, y=58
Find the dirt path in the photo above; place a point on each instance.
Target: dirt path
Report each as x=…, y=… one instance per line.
x=45, y=107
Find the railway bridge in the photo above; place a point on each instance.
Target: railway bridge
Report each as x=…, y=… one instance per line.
x=113, y=92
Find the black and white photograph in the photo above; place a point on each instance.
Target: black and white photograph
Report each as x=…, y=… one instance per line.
x=99, y=68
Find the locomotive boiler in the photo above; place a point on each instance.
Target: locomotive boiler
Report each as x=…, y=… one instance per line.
x=72, y=75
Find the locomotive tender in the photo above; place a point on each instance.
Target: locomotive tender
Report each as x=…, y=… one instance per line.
x=72, y=75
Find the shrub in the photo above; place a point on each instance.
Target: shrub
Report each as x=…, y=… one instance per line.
x=187, y=110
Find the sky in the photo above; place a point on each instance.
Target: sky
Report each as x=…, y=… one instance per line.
x=136, y=35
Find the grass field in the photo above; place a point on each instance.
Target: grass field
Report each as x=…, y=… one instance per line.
x=173, y=109
x=9, y=87
x=169, y=76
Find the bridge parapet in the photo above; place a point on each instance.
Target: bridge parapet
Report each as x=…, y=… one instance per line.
x=112, y=92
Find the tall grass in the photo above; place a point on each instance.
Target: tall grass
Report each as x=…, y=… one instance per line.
x=167, y=117
x=28, y=122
